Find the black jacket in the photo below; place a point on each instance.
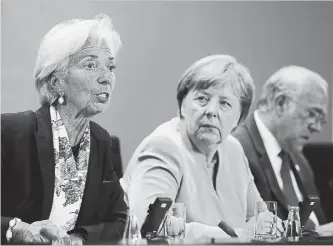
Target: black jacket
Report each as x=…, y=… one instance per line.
x=28, y=173
x=264, y=176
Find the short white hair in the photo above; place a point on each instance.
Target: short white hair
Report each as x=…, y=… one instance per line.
x=65, y=40
x=290, y=81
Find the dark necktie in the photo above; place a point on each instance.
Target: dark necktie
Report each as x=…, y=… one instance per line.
x=288, y=188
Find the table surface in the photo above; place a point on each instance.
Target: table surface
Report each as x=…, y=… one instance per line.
x=302, y=241
x=236, y=241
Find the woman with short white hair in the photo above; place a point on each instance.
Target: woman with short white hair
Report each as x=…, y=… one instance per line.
x=58, y=181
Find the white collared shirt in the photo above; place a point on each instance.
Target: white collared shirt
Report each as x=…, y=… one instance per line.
x=273, y=149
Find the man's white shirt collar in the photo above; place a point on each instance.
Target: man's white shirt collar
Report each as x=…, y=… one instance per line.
x=272, y=146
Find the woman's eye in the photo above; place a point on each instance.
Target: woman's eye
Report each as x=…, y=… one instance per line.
x=90, y=65
x=312, y=114
x=112, y=68
x=202, y=99
x=225, y=104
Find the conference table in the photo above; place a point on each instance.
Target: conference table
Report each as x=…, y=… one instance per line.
x=308, y=240
x=302, y=241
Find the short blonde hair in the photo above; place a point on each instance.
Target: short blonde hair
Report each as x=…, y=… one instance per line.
x=290, y=81
x=65, y=40
x=218, y=69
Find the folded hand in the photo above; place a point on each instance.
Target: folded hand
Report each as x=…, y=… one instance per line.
x=24, y=233
x=325, y=230
x=42, y=232
x=264, y=224
x=174, y=226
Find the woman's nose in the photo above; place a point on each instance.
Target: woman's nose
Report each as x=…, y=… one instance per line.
x=315, y=126
x=211, y=109
x=106, y=77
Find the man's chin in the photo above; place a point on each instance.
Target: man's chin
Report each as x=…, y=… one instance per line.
x=298, y=147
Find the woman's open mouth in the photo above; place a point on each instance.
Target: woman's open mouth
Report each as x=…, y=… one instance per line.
x=103, y=97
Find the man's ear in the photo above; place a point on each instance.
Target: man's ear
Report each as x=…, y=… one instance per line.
x=281, y=104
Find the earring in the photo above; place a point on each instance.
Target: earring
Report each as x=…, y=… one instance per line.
x=61, y=100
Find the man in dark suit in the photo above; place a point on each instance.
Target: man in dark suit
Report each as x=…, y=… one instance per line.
x=292, y=107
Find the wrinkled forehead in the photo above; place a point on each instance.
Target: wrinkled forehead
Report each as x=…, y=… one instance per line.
x=99, y=49
x=98, y=39
x=228, y=87
x=217, y=86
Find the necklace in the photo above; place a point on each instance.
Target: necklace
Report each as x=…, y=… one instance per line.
x=212, y=163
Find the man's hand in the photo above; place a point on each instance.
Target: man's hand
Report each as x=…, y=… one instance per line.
x=75, y=240
x=325, y=230
x=174, y=226
x=279, y=227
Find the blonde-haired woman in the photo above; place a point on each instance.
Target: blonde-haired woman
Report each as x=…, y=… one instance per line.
x=193, y=159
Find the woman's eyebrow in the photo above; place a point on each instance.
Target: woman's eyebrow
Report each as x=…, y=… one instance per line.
x=83, y=58
x=96, y=56
x=92, y=57
x=202, y=92
x=89, y=56
x=225, y=97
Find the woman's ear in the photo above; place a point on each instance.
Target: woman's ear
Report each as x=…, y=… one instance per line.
x=55, y=84
x=181, y=110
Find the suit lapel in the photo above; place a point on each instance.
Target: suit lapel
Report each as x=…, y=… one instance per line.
x=302, y=172
x=271, y=179
x=46, y=160
x=46, y=157
x=264, y=161
x=93, y=181
x=304, y=177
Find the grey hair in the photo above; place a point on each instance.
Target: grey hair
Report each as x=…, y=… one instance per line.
x=65, y=40
x=290, y=81
x=218, y=69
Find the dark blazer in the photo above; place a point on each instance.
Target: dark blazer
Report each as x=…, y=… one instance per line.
x=248, y=135
x=116, y=156
x=28, y=173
